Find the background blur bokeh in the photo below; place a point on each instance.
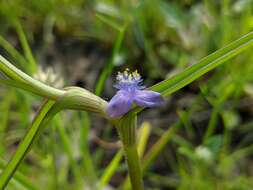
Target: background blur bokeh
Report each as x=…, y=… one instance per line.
x=85, y=43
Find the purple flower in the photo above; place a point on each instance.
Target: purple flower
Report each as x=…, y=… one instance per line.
x=131, y=91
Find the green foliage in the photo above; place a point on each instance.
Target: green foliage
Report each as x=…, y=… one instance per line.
x=207, y=147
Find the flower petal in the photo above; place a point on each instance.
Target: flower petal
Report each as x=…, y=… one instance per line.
x=119, y=104
x=148, y=98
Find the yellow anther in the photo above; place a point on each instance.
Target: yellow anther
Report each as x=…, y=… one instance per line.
x=127, y=76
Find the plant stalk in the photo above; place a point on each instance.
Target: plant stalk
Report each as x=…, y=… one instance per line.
x=26, y=144
x=134, y=167
x=127, y=132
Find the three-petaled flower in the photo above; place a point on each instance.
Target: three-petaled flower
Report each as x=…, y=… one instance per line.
x=130, y=91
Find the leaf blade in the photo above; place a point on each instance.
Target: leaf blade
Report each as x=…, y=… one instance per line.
x=37, y=125
x=206, y=64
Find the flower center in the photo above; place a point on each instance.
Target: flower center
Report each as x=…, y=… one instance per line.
x=129, y=81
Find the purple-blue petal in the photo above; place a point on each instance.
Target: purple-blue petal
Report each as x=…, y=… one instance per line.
x=119, y=104
x=148, y=98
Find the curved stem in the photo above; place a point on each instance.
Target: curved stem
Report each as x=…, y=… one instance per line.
x=38, y=123
x=17, y=75
x=74, y=98
x=24, y=86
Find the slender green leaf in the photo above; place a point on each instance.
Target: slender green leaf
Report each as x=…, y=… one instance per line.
x=208, y=63
x=66, y=142
x=159, y=145
x=14, y=53
x=109, y=21
x=110, y=170
x=87, y=160
x=23, y=86
x=25, y=45
x=20, y=178
x=16, y=74
x=109, y=66
x=26, y=143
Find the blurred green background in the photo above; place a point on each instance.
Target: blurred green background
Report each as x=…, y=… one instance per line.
x=205, y=130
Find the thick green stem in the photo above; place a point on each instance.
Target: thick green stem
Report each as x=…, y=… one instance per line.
x=127, y=131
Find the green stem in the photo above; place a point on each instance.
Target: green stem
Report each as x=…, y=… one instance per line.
x=26, y=143
x=134, y=168
x=17, y=75
x=127, y=132
x=73, y=99
x=20, y=178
